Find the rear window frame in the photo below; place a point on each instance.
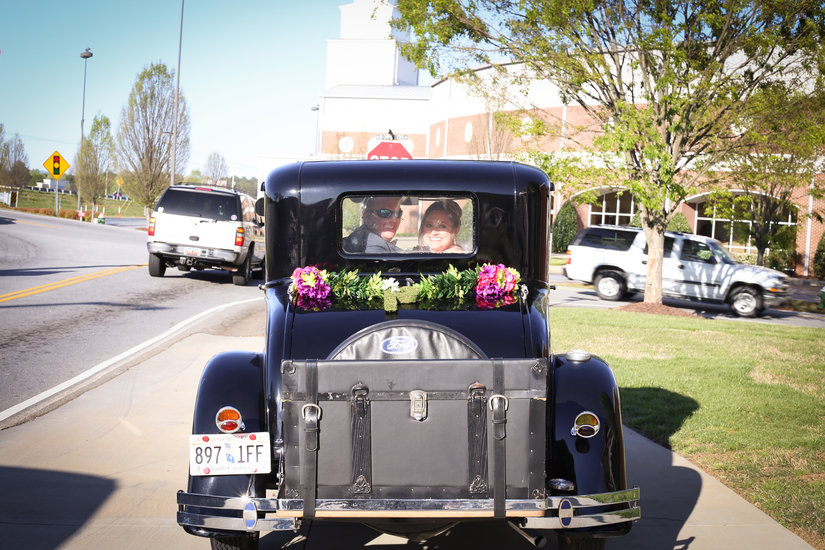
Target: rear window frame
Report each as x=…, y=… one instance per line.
x=468, y=233
x=231, y=202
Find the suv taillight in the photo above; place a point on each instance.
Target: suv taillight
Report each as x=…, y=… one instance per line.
x=239, y=237
x=151, y=227
x=569, y=258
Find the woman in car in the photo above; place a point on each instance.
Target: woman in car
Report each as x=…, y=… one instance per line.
x=440, y=226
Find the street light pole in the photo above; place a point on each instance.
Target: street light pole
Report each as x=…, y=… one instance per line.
x=85, y=55
x=177, y=93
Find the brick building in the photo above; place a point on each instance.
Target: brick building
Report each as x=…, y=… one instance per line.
x=373, y=96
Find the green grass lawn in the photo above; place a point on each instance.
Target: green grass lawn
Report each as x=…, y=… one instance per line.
x=34, y=199
x=744, y=401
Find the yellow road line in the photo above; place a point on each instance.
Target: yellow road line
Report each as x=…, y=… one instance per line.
x=38, y=224
x=65, y=282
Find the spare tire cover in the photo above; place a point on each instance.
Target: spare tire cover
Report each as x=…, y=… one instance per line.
x=407, y=339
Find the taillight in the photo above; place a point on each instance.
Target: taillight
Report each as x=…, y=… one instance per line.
x=239, y=237
x=151, y=227
x=229, y=420
x=569, y=257
x=586, y=425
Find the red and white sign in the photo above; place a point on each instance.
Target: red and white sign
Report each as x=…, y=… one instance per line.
x=389, y=150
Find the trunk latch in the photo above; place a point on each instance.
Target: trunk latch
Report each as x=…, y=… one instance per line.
x=418, y=405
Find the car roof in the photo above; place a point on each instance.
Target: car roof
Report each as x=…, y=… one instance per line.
x=638, y=229
x=193, y=187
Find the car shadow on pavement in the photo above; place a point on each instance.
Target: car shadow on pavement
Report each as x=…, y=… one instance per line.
x=669, y=491
x=469, y=535
x=63, y=502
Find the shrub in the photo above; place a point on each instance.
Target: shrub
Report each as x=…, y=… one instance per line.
x=565, y=227
x=781, y=259
x=678, y=222
x=819, y=259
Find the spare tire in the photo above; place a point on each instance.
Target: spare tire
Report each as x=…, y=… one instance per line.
x=407, y=339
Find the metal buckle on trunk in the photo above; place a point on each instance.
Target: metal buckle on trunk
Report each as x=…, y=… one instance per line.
x=418, y=405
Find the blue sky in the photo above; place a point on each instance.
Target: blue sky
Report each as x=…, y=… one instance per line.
x=250, y=70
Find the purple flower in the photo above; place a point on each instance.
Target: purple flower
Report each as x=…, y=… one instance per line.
x=496, y=282
x=309, y=283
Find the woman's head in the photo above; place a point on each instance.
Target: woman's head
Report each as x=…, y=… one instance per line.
x=440, y=225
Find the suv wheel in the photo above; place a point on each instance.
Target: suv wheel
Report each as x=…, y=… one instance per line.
x=746, y=302
x=241, y=277
x=157, y=267
x=610, y=286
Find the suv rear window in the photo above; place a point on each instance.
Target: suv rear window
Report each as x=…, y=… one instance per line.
x=201, y=204
x=407, y=224
x=611, y=239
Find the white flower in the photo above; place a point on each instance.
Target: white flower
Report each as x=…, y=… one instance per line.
x=390, y=284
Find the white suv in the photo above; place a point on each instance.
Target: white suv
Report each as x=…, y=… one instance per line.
x=614, y=260
x=203, y=227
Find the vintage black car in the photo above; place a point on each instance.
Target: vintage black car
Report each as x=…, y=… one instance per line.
x=407, y=381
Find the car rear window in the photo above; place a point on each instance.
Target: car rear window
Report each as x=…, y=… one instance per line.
x=611, y=239
x=200, y=204
x=407, y=224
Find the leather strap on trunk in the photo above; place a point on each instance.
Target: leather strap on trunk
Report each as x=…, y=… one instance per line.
x=361, y=441
x=499, y=404
x=311, y=413
x=477, y=440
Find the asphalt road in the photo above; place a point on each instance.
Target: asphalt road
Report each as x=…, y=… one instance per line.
x=74, y=295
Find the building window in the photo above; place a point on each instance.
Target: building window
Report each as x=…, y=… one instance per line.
x=614, y=208
x=735, y=233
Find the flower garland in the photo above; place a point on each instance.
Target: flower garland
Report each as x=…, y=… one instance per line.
x=492, y=286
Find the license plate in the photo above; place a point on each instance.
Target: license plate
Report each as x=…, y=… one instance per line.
x=190, y=251
x=226, y=454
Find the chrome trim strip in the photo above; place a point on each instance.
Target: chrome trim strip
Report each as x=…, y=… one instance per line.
x=600, y=499
x=578, y=522
x=237, y=524
x=574, y=518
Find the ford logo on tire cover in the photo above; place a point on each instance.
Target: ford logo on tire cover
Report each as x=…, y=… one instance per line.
x=399, y=344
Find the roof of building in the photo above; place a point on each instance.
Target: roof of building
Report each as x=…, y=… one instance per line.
x=379, y=92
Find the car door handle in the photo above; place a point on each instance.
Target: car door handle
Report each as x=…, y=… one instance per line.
x=644, y=262
x=681, y=266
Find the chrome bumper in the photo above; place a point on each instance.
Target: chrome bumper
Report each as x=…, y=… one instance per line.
x=208, y=255
x=251, y=514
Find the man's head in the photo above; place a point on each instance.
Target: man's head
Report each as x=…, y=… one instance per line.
x=383, y=216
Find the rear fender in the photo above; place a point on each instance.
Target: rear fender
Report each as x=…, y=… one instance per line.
x=597, y=464
x=230, y=379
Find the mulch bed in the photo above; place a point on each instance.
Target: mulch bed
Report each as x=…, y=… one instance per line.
x=657, y=309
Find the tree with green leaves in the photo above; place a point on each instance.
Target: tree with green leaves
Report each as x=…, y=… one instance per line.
x=144, y=136
x=95, y=160
x=778, y=151
x=664, y=82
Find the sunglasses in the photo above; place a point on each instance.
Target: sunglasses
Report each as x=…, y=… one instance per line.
x=387, y=213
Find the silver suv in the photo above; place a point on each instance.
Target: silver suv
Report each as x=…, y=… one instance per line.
x=614, y=260
x=203, y=227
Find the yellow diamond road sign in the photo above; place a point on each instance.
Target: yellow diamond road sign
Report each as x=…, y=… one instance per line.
x=56, y=165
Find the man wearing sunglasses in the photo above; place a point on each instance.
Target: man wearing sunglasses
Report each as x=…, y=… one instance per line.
x=380, y=217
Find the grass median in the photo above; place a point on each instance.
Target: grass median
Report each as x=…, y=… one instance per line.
x=744, y=401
